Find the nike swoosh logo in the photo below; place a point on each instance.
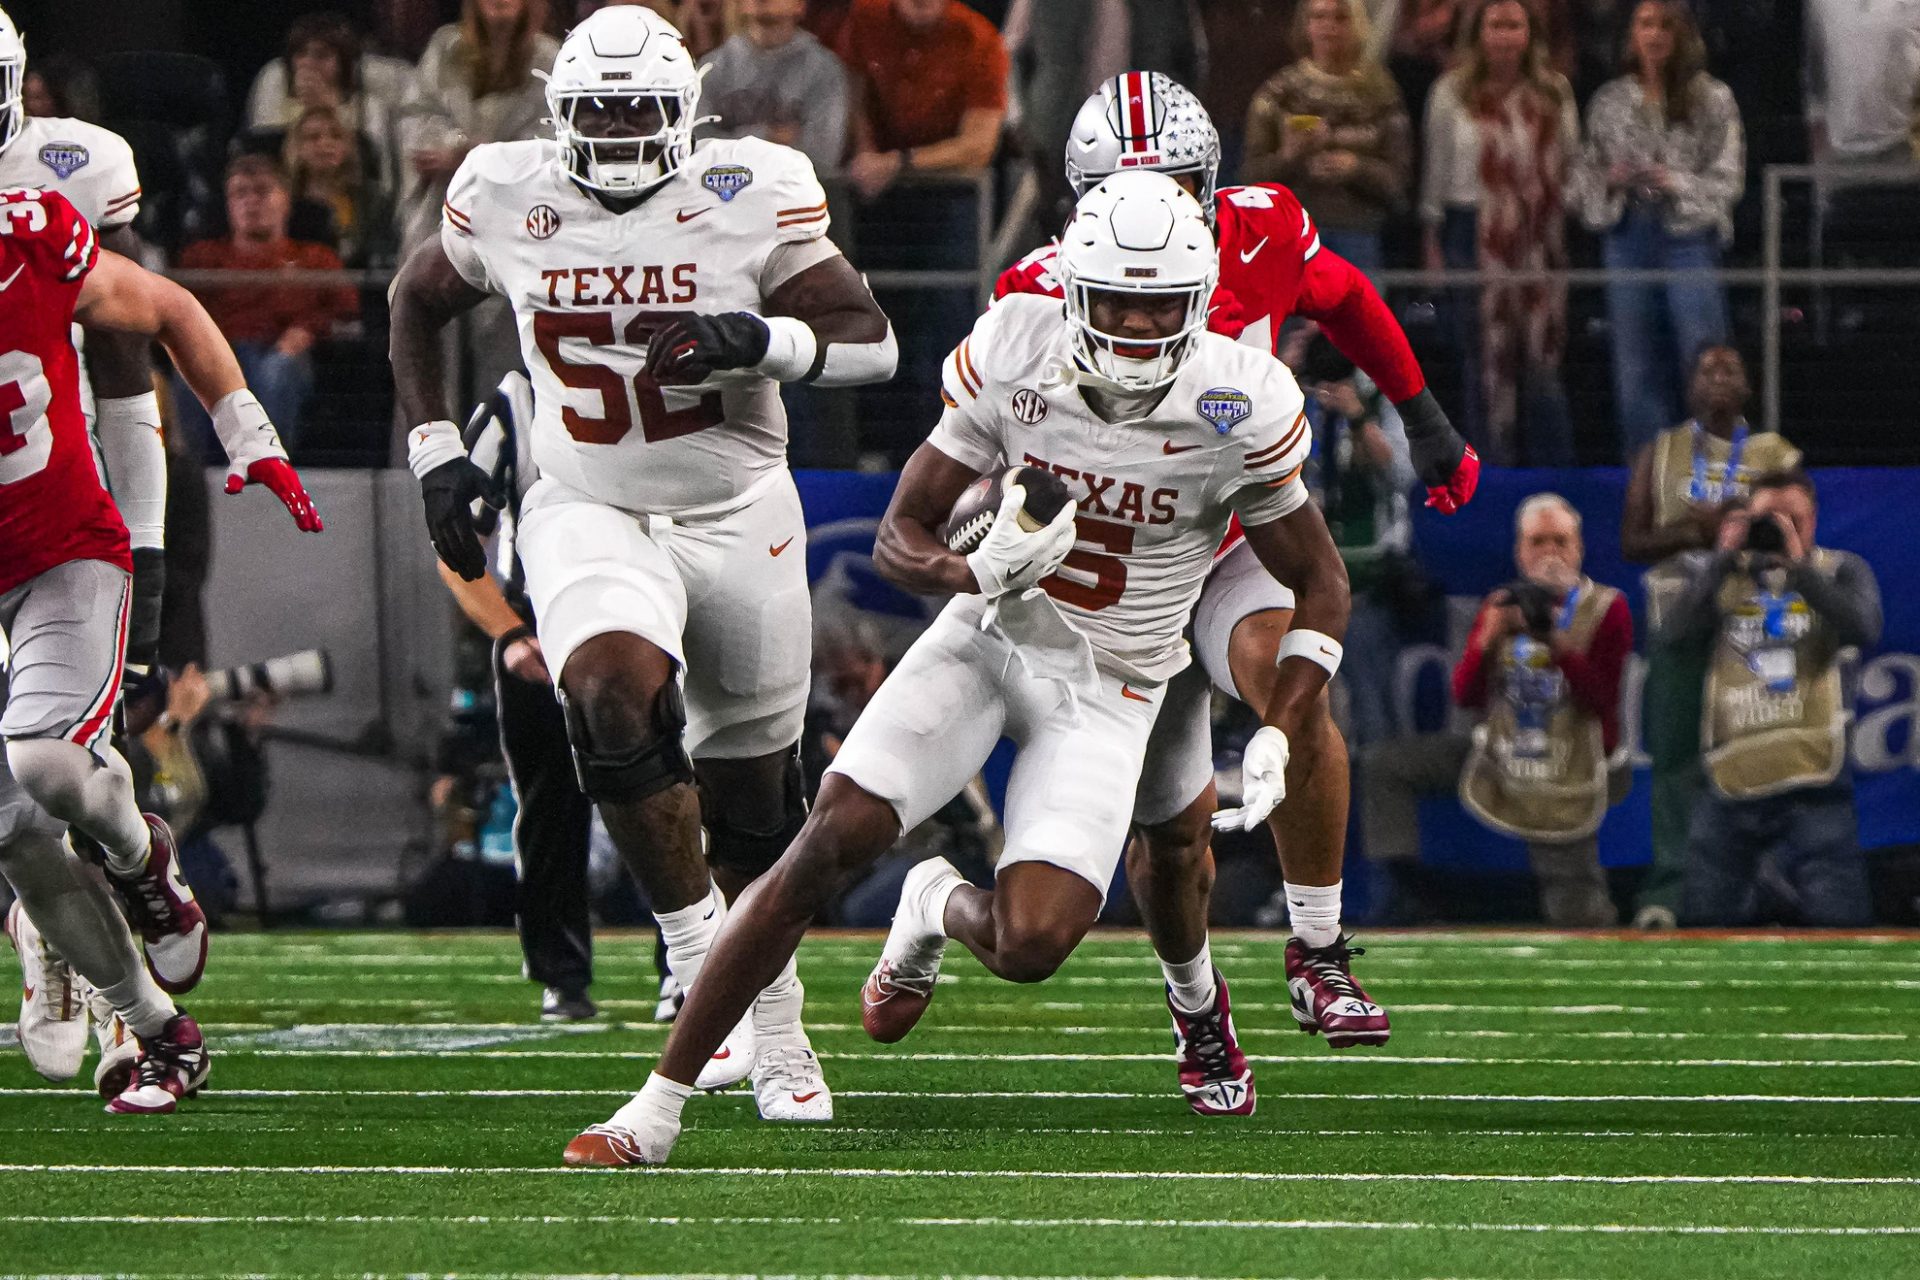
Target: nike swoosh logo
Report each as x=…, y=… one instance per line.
x=723, y=1055
x=1330, y=653
x=1248, y=255
x=10, y=279
x=774, y=551
x=684, y=216
x=1170, y=448
x=806, y=1097
x=1126, y=691
x=1019, y=569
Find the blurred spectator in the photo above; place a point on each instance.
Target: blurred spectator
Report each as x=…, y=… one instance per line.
x=704, y=24
x=61, y=86
x=1543, y=665
x=1664, y=162
x=1061, y=51
x=932, y=82
x=775, y=81
x=1246, y=41
x=1500, y=131
x=331, y=186
x=274, y=327
x=1426, y=34
x=1774, y=836
x=1359, y=473
x=1863, y=68
x=326, y=65
x=474, y=84
x=1679, y=489
x=1332, y=127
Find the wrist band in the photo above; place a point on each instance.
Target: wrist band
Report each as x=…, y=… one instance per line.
x=791, y=348
x=514, y=634
x=431, y=445
x=1315, y=646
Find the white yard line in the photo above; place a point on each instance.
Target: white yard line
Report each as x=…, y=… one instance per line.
x=52, y=1094
x=1055, y=1175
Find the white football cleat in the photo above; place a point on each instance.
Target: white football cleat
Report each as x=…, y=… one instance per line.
x=788, y=1084
x=637, y=1133
x=53, y=1010
x=672, y=996
x=732, y=1062
x=900, y=987
x=119, y=1051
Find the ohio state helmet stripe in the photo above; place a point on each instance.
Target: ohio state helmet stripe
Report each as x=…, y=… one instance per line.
x=1134, y=94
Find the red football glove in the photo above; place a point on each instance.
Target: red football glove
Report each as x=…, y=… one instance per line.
x=1457, y=492
x=278, y=475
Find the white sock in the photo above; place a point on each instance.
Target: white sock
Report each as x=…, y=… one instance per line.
x=1315, y=912
x=933, y=907
x=1191, y=984
x=778, y=1008
x=140, y=1001
x=659, y=1098
x=689, y=932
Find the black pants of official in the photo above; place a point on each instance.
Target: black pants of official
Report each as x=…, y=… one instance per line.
x=553, y=905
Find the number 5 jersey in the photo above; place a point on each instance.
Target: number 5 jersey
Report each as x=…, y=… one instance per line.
x=589, y=286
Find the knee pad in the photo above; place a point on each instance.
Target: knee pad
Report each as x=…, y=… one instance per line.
x=752, y=847
x=632, y=771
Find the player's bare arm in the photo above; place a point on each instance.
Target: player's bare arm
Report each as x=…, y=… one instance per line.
x=120, y=295
x=1298, y=550
x=427, y=295
x=907, y=549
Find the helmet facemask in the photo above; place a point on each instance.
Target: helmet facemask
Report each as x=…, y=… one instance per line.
x=1135, y=362
x=624, y=143
x=13, y=111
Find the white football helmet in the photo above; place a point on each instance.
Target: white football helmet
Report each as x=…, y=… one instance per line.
x=1144, y=120
x=1136, y=233
x=624, y=56
x=13, y=75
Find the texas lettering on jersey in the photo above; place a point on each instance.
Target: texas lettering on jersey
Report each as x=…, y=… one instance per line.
x=1155, y=494
x=590, y=286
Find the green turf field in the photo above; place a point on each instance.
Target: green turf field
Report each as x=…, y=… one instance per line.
x=1548, y=1107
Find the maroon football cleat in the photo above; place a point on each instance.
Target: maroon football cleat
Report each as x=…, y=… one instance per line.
x=173, y=1065
x=1326, y=999
x=1213, y=1072
x=172, y=927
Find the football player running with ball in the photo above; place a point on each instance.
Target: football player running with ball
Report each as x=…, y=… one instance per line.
x=65, y=605
x=662, y=291
x=1272, y=266
x=1061, y=635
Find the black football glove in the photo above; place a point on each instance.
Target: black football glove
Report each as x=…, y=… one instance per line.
x=450, y=490
x=143, y=681
x=691, y=347
x=1444, y=461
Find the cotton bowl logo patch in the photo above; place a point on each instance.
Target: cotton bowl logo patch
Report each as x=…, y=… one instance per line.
x=727, y=180
x=1224, y=407
x=542, y=221
x=64, y=158
x=1028, y=406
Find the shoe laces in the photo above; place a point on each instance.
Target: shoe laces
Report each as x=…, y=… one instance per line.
x=150, y=903
x=919, y=984
x=788, y=1065
x=1207, y=1041
x=1331, y=962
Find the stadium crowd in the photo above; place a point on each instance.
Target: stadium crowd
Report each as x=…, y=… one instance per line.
x=1497, y=138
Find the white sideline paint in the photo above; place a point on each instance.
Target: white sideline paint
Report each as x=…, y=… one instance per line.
x=75, y=1095
x=1056, y=1175
x=1189, y=1224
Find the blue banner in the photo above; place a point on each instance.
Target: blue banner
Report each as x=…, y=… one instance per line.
x=1861, y=510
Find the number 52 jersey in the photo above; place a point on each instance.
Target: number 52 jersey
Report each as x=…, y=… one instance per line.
x=1155, y=493
x=589, y=286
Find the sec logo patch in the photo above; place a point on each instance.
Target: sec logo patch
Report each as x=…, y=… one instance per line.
x=1028, y=406
x=542, y=221
x=1224, y=407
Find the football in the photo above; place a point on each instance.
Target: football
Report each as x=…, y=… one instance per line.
x=974, y=510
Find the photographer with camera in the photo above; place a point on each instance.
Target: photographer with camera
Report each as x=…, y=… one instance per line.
x=1774, y=833
x=1543, y=666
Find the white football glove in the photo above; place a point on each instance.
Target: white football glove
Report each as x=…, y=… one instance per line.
x=1263, y=773
x=1011, y=559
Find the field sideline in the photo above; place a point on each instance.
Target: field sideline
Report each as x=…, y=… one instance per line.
x=1550, y=1107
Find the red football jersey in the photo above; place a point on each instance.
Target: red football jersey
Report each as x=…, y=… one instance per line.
x=53, y=508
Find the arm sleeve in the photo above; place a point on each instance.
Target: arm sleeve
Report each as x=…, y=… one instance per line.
x=1357, y=321
x=1593, y=677
x=1470, y=673
x=457, y=213
x=1848, y=601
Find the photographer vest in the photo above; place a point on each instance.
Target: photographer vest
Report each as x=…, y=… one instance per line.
x=1692, y=467
x=1775, y=717
x=1538, y=769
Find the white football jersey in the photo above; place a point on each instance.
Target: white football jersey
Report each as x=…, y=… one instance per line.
x=589, y=286
x=92, y=167
x=1155, y=493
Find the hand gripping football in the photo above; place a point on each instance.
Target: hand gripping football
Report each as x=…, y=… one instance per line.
x=974, y=510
